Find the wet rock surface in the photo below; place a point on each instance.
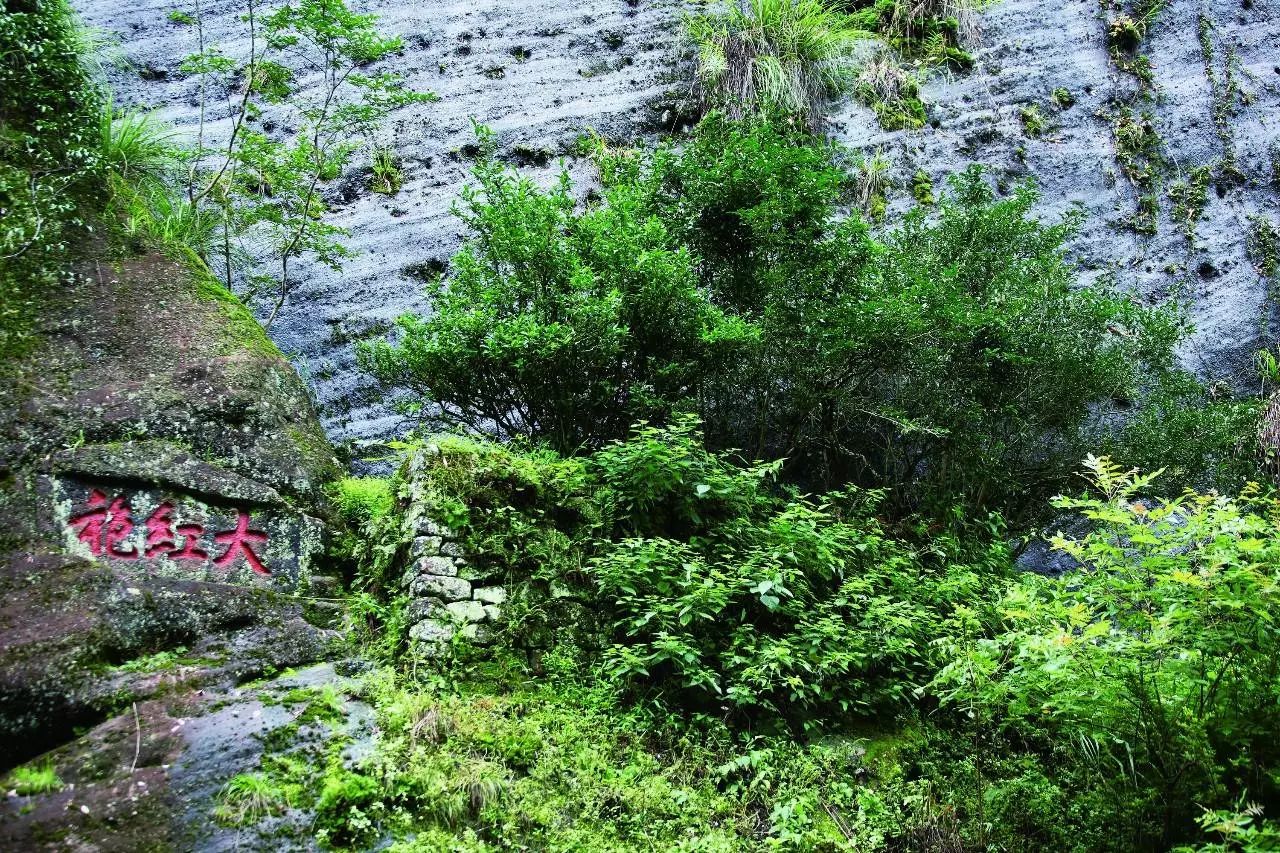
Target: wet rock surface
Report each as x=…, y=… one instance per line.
x=149, y=778
x=67, y=626
x=541, y=74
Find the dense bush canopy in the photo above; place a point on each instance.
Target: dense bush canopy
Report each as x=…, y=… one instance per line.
x=955, y=359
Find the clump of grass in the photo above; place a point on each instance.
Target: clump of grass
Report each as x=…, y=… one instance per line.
x=784, y=56
x=35, y=779
x=1033, y=123
x=250, y=797
x=388, y=177
x=1063, y=98
x=922, y=188
x=871, y=186
x=892, y=92
x=136, y=146
x=1189, y=197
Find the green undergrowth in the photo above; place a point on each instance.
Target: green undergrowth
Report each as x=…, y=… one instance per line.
x=34, y=779
x=51, y=169
x=1043, y=716
x=485, y=759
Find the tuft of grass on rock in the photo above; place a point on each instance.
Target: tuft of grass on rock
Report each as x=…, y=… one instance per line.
x=35, y=779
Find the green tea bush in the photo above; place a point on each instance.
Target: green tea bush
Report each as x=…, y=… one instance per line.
x=712, y=586
x=750, y=200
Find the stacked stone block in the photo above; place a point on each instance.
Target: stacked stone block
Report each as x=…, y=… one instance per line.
x=448, y=596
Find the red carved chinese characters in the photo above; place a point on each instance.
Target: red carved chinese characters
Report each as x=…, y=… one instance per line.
x=160, y=531
x=91, y=522
x=190, y=549
x=161, y=539
x=237, y=542
x=106, y=524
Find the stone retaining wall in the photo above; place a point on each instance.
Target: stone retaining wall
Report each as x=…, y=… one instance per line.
x=449, y=596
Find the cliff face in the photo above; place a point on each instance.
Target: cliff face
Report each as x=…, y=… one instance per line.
x=541, y=73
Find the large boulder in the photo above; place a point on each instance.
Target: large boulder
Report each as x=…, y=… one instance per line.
x=162, y=476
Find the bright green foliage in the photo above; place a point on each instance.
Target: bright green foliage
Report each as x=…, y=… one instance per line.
x=560, y=765
x=250, y=797
x=786, y=57
x=872, y=185
x=1239, y=829
x=710, y=586
x=922, y=188
x=1092, y=713
x=560, y=325
x=746, y=198
x=362, y=500
x=387, y=175
x=782, y=607
x=33, y=779
x=1158, y=658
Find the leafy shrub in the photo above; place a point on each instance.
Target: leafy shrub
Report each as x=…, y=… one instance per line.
x=362, y=500
x=49, y=157
x=347, y=809
x=809, y=607
x=1239, y=829
x=1198, y=439
x=1158, y=658
x=559, y=325
x=956, y=360
x=783, y=57
x=744, y=197
x=714, y=586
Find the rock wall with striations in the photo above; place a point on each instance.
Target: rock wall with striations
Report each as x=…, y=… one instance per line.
x=540, y=73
